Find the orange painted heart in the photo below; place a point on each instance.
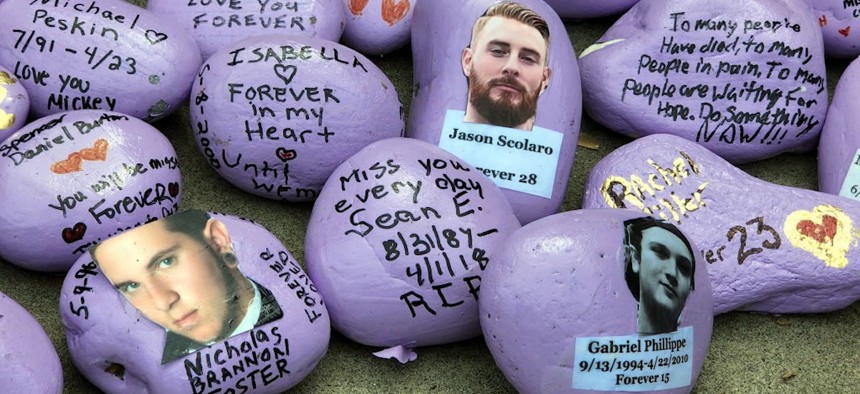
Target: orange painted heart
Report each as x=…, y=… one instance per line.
x=97, y=152
x=356, y=6
x=819, y=232
x=393, y=13
x=71, y=164
x=844, y=32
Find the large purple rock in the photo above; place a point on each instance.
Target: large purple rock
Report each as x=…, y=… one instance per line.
x=527, y=150
x=377, y=27
x=14, y=104
x=119, y=349
x=838, y=166
x=839, y=21
x=770, y=248
x=30, y=362
x=72, y=179
x=217, y=24
x=398, y=241
x=583, y=9
x=566, y=290
x=747, y=80
x=274, y=115
x=101, y=54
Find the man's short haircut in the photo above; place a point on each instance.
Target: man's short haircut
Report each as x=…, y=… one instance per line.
x=633, y=230
x=191, y=223
x=515, y=11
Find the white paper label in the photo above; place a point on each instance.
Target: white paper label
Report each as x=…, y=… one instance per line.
x=851, y=184
x=514, y=159
x=634, y=362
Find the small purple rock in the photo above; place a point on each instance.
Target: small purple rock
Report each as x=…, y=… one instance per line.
x=398, y=241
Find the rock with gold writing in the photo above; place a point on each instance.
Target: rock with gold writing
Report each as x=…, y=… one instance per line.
x=398, y=241
x=195, y=302
x=746, y=80
x=769, y=248
x=217, y=24
x=14, y=104
x=72, y=179
x=570, y=291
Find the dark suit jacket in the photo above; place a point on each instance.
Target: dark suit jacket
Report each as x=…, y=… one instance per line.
x=178, y=345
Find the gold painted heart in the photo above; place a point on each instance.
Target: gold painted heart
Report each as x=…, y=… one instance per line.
x=6, y=119
x=826, y=232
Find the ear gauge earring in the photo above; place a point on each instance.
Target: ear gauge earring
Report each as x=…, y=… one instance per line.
x=230, y=258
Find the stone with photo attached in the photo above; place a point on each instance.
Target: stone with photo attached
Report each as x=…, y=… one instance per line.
x=598, y=300
x=769, y=248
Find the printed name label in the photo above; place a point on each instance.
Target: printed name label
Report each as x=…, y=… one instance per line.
x=634, y=362
x=514, y=159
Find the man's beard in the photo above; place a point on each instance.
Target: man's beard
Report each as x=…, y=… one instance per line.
x=504, y=111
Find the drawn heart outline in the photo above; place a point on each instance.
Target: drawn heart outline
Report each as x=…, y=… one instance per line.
x=826, y=232
x=154, y=37
x=393, y=13
x=285, y=154
x=72, y=163
x=357, y=6
x=74, y=233
x=97, y=152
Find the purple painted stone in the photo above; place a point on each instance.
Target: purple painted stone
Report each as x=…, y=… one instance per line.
x=770, y=248
x=30, y=362
x=109, y=55
x=442, y=90
x=104, y=330
x=746, y=81
x=217, y=24
x=14, y=104
x=583, y=9
x=837, y=147
x=398, y=241
x=840, y=26
x=377, y=27
x=71, y=179
x=274, y=115
x=557, y=288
